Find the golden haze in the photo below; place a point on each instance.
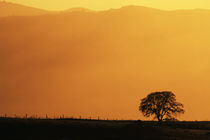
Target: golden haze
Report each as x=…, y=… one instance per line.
x=107, y=4
x=103, y=63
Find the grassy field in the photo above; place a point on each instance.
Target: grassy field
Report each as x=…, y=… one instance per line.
x=73, y=129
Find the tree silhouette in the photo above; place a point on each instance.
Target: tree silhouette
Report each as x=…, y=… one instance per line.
x=161, y=105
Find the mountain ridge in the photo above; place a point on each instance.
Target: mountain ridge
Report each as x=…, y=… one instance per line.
x=13, y=9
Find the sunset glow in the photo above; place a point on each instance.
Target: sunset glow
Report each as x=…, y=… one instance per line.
x=107, y=4
x=102, y=63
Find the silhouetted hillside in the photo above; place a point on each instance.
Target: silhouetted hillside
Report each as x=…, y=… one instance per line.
x=56, y=61
x=12, y=9
x=40, y=129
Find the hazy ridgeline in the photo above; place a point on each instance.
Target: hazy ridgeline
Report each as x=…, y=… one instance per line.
x=12, y=9
x=102, y=63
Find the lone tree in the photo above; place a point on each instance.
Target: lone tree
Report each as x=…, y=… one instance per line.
x=161, y=105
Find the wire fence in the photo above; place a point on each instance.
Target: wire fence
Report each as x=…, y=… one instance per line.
x=57, y=117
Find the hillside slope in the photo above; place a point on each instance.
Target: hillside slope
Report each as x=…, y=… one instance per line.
x=58, y=129
x=12, y=9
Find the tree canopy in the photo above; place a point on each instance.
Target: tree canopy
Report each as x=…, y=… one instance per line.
x=161, y=105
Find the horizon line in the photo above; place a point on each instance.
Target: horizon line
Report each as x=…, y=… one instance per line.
x=90, y=118
x=80, y=117
x=106, y=9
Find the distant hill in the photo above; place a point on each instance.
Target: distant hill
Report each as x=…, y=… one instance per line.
x=78, y=9
x=12, y=9
x=84, y=60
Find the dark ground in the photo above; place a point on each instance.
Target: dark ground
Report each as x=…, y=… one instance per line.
x=69, y=129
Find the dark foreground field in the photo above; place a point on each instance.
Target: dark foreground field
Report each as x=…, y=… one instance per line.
x=68, y=129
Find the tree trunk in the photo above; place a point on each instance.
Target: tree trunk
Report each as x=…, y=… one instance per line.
x=160, y=119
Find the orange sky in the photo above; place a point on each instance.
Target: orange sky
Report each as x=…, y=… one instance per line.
x=102, y=63
x=107, y=4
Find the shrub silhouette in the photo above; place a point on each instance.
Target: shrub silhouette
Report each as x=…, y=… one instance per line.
x=161, y=105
